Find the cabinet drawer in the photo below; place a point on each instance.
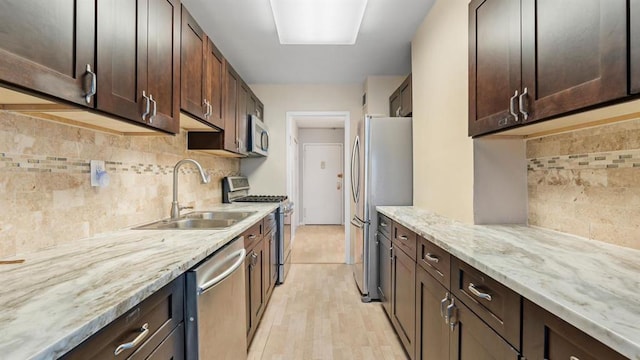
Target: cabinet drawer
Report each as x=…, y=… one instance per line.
x=269, y=223
x=161, y=313
x=253, y=235
x=493, y=302
x=384, y=225
x=405, y=239
x=434, y=260
x=546, y=336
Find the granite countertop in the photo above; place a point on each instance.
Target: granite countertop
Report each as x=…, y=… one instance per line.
x=62, y=295
x=592, y=285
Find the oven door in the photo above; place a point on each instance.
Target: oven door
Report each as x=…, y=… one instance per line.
x=259, y=137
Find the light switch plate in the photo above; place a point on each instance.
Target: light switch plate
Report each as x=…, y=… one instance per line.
x=96, y=165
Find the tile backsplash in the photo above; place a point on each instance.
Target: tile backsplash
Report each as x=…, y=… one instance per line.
x=587, y=183
x=45, y=191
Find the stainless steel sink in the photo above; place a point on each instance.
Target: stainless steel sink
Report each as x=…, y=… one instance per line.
x=219, y=215
x=199, y=220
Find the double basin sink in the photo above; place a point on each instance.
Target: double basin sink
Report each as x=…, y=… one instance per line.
x=199, y=220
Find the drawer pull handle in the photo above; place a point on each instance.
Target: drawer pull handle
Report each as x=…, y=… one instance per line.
x=403, y=237
x=143, y=334
x=477, y=293
x=573, y=358
x=432, y=258
x=251, y=237
x=384, y=224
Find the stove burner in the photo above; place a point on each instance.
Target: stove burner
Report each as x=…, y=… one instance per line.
x=262, y=198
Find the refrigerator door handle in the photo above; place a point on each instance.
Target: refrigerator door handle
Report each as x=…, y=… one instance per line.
x=355, y=170
x=357, y=224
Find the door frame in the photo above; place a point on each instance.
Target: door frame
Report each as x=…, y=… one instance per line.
x=291, y=147
x=342, y=192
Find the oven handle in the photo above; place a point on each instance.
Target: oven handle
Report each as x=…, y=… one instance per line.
x=225, y=274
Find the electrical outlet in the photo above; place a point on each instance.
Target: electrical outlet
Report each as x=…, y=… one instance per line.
x=97, y=166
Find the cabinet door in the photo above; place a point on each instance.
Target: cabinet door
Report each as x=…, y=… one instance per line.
x=403, y=298
x=171, y=348
x=215, y=85
x=267, y=266
x=163, y=63
x=46, y=46
x=244, y=94
x=545, y=336
x=406, y=108
x=472, y=339
x=255, y=289
x=247, y=290
x=232, y=83
x=572, y=62
x=273, y=259
x=432, y=332
x=395, y=101
x=634, y=41
x=193, y=52
x=384, y=268
x=122, y=59
x=494, y=64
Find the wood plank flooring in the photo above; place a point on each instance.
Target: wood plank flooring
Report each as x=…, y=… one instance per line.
x=318, y=244
x=317, y=314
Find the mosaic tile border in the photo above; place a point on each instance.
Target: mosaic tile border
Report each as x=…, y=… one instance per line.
x=603, y=160
x=52, y=164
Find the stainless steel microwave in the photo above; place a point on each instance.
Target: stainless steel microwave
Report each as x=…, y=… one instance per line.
x=258, y=137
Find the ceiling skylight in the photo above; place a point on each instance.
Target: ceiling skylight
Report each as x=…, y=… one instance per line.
x=318, y=22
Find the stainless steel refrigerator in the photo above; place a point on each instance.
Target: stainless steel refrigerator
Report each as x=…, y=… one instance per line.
x=381, y=174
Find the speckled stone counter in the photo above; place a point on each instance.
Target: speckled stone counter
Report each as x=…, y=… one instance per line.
x=592, y=285
x=60, y=296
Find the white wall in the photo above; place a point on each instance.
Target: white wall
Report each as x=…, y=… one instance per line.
x=269, y=175
x=443, y=154
x=378, y=90
x=315, y=136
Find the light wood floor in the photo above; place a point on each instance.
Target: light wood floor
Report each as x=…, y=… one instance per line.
x=317, y=314
x=318, y=244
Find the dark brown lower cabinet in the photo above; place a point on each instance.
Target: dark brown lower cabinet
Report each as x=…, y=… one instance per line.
x=403, y=298
x=270, y=265
x=384, y=275
x=432, y=332
x=157, y=323
x=472, y=339
x=255, y=288
x=546, y=336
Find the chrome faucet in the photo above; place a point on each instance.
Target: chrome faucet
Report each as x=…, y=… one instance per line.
x=204, y=178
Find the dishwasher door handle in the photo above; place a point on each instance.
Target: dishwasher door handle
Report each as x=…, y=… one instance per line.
x=225, y=274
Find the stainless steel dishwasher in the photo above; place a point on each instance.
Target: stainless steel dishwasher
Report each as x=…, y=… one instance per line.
x=216, y=311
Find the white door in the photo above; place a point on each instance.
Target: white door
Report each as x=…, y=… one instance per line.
x=322, y=184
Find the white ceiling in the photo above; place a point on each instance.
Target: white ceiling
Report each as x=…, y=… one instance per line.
x=245, y=32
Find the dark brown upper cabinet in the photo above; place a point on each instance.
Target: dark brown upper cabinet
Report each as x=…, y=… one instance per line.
x=530, y=61
x=202, y=67
x=400, y=101
x=634, y=38
x=41, y=50
x=232, y=83
x=138, y=48
x=244, y=100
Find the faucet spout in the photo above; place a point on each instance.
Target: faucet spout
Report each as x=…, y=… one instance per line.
x=205, y=178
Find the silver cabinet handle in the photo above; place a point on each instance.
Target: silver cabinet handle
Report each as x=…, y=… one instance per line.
x=477, y=293
x=432, y=258
x=205, y=105
x=512, y=106
x=155, y=109
x=443, y=307
x=383, y=224
x=146, y=112
x=210, y=108
x=93, y=87
x=573, y=357
x=251, y=237
x=451, y=314
x=403, y=237
x=523, y=110
x=398, y=111
x=143, y=334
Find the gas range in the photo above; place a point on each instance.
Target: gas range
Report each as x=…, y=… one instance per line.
x=235, y=189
